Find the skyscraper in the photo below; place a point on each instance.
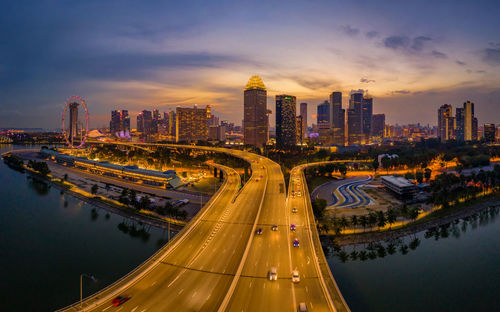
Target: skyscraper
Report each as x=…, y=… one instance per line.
x=354, y=118
x=323, y=122
x=303, y=114
x=378, y=125
x=299, y=129
x=145, y=122
x=489, y=132
x=255, y=119
x=366, y=116
x=444, y=112
x=466, y=123
x=73, y=121
x=120, y=123
x=286, y=133
x=156, y=121
x=191, y=124
x=337, y=119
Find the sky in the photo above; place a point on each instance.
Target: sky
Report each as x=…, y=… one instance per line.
x=411, y=56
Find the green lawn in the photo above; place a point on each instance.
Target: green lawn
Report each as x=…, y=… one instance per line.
x=317, y=181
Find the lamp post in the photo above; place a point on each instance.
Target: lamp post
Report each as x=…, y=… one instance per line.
x=81, y=285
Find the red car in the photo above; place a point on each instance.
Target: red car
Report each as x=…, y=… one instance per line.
x=119, y=300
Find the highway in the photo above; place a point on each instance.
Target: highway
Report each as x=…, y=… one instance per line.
x=217, y=263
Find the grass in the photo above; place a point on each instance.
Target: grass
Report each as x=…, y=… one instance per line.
x=205, y=185
x=317, y=181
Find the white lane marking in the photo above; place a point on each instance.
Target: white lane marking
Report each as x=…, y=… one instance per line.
x=107, y=308
x=194, y=294
x=134, y=309
x=180, y=292
x=307, y=290
x=154, y=283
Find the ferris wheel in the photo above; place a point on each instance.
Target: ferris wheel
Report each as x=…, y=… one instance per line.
x=75, y=137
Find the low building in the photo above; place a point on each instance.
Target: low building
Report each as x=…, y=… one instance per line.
x=400, y=186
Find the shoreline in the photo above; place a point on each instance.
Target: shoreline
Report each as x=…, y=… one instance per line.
x=376, y=236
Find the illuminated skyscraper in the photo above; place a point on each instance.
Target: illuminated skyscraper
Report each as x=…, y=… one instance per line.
x=120, y=123
x=354, y=118
x=191, y=124
x=299, y=129
x=255, y=119
x=446, y=123
x=286, y=132
x=466, y=123
x=366, y=117
x=303, y=114
x=156, y=121
x=73, y=121
x=489, y=132
x=378, y=125
x=323, y=122
x=337, y=120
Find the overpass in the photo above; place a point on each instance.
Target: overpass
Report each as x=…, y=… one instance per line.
x=217, y=263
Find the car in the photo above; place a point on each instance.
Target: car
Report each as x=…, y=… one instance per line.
x=299, y=194
x=302, y=307
x=296, y=243
x=256, y=180
x=294, y=210
x=274, y=227
x=258, y=231
x=295, y=276
x=261, y=176
x=119, y=300
x=292, y=227
x=272, y=275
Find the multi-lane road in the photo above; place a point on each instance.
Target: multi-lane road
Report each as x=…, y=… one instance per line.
x=218, y=262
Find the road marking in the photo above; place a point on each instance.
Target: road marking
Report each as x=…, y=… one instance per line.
x=307, y=290
x=194, y=294
x=134, y=309
x=108, y=308
x=154, y=283
x=180, y=292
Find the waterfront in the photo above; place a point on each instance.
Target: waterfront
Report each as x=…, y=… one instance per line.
x=448, y=268
x=49, y=239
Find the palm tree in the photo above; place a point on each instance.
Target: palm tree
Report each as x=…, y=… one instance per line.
x=391, y=217
x=343, y=222
x=363, y=221
x=381, y=219
x=94, y=189
x=354, y=222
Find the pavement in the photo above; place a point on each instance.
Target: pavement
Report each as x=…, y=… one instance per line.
x=344, y=193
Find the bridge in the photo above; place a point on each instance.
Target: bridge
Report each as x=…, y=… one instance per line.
x=219, y=263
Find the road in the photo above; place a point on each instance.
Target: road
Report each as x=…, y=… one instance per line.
x=217, y=263
x=344, y=193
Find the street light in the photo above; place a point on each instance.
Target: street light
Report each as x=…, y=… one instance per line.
x=81, y=285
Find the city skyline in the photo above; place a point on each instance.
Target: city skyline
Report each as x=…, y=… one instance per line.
x=410, y=62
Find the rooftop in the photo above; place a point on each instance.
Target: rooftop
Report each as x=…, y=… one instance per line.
x=397, y=181
x=255, y=82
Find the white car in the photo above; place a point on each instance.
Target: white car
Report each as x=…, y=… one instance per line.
x=272, y=274
x=295, y=276
x=294, y=210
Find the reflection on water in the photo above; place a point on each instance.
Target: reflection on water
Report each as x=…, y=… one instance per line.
x=41, y=187
x=404, y=245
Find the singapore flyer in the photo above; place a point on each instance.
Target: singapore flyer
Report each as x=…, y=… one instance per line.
x=75, y=134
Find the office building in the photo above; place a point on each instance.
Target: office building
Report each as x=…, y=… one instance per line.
x=355, y=118
x=256, y=119
x=299, y=128
x=378, y=125
x=286, y=132
x=400, y=186
x=119, y=125
x=303, y=114
x=156, y=121
x=489, y=132
x=323, y=123
x=366, y=117
x=145, y=122
x=191, y=124
x=445, y=122
x=337, y=120
x=217, y=133
x=466, y=123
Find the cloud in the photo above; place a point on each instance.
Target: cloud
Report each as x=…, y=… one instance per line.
x=350, y=31
x=491, y=56
x=371, y=34
x=366, y=80
x=418, y=43
x=314, y=84
x=460, y=63
x=439, y=55
x=401, y=92
x=396, y=42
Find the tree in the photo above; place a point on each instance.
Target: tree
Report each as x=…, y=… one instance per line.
x=144, y=203
x=343, y=222
x=413, y=213
x=354, y=221
x=391, y=217
x=363, y=221
x=419, y=175
x=65, y=177
x=123, y=197
x=132, y=198
x=375, y=165
x=94, y=189
x=372, y=218
x=386, y=163
x=427, y=174
x=342, y=169
x=319, y=206
x=381, y=219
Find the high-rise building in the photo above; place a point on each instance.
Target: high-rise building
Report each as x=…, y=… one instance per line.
x=337, y=119
x=303, y=114
x=191, y=124
x=323, y=122
x=445, y=112
x=355, y=118
x=145, y=122
x=140, y=123
x=466, y=123
x=73, y=122
x=489, y=132
x=378, y=125
x=366, y=116
x=255, y=119
x=299, y=128
x=120, y=123
x=286, y=133
x=156, y=121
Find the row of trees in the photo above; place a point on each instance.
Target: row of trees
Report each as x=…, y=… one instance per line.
x=40, y=166
x=129, y=197
x=448, y=189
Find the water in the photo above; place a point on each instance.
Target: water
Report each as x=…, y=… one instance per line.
x=48, y=239
x=454, y=268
